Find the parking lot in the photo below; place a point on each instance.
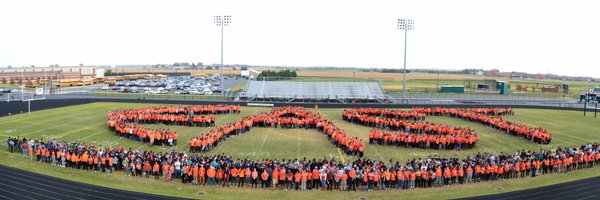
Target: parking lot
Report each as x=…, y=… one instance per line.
x=175, y=85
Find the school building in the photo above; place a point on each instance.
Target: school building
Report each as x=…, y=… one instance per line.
x=15, y=75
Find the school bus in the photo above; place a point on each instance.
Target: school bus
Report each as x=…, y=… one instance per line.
x=149, y=76
x=119, y=78
x=86, y=82
x=134, y=77
x=68, y=82
x=110, y=80
x=31, y=84
x=99, y=80
x=161, y=76
x=43, y=82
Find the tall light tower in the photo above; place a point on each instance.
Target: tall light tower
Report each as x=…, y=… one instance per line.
x=405, y=24
x=222, y=21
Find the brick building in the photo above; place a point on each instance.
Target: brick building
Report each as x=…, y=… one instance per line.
x=14, y=75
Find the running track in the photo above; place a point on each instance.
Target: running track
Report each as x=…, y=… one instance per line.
x=581, y=189
x=20, y=185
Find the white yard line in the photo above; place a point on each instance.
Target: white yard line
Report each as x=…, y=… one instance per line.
x=141, y=146
x=96, y=133
x=35, y=116
x=60, y=125
x=380, y=156
x=263, y=143
x=46, y=122
x=298, y=150
x=113, y=141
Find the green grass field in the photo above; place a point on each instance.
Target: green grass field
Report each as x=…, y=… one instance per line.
x=87, y=123
x=420, y=84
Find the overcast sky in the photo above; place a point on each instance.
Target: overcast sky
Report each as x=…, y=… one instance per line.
x=560, y=37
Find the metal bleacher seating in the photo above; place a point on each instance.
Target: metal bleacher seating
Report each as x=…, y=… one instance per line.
x=317, y=91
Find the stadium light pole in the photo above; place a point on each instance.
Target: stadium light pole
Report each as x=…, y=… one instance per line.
x=405, y=24
x=222, y=21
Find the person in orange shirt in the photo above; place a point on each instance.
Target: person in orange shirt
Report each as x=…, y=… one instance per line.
x=275, y=178
x=352, y=180
x=102, y=164
x=202, y=175
x=413, y=177
x=438, y=176
x=195, y=174
x=264, y=177
x=254, y=178
x=297, y=179
x=220, y=176
x=111, y=163
x=315, y=176
x=234, y=173
x=447, y=176
x=304, y=178
x=343, y=182
x=146, y=168
x=387, y=176
x=242, y=177
x=156, y=170
x=211, y=173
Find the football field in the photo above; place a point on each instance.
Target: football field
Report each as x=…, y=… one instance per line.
x=87, y=123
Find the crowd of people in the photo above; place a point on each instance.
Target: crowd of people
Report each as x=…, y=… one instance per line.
x=407, y=128
x=127, y=123
x=283, y=117
x=310, y=174
x=491, y=117
x=455, y=139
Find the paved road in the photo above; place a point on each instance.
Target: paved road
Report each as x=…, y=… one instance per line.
x=580, y=189
x=19, y=184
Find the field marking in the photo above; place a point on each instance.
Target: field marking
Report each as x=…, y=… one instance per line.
x=96, y=133
x=380, y=156
x=263, y=143
x=76, y=131
x=61, y=125
x=141, y=146
x=298, y=149
x=39, y=115
x=55, y=119
x=45, y=122
x=341, y=156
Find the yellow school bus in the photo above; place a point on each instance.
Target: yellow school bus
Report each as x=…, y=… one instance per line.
x=43, y=82
x=99, y=80
x=31, y=84
x=68, y=82
x=161, y=76
x=86, y=82
x=110, y=80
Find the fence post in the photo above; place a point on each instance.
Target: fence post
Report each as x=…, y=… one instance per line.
x=584, y=107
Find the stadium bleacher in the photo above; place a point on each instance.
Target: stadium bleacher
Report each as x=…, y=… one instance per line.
x=314, y=91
